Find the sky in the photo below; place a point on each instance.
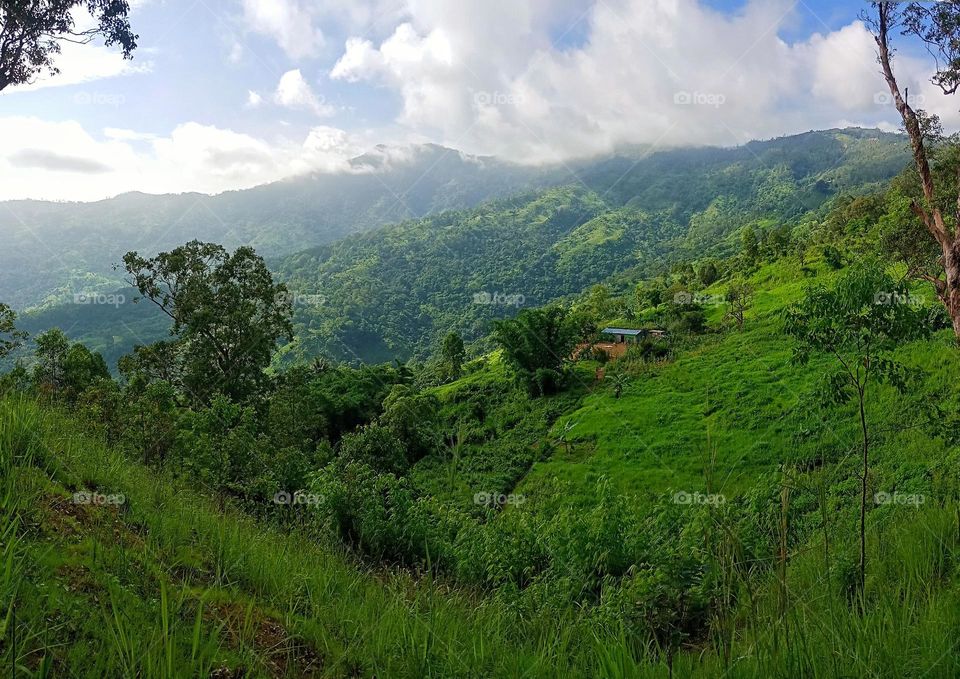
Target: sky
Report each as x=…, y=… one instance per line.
x=228, y=94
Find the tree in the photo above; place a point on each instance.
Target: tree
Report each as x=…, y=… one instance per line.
x=412, y=417
x=620, y=380
x=833, y=257
x=650, y=294
x=708, y=273
x=778, y=241
x=157, y=362
x=739, y=300
x=859, y=322
x=937, y=25
x=376, y=446
x=750, y=246
x=10, y=338
x=31, y=32
x=599, y=303
x=65, y=368
x=452, y=355
x=566, y=433
x=82, y=369
x=226, y=310
x=537, y=344
x=686, y=317
x=51, y=353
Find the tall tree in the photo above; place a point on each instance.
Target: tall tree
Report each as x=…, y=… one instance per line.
x=749, y=245
x=82, y=368
x=537, y=343
x=51, y=352
x=452, y=355
x=10, y=337
x=937, y=25
x=31, y=32
x=848, y=323
x=225, y=308
x=739, y=300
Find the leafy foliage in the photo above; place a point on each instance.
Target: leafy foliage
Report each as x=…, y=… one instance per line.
x=10, y=337
x=31, y=33
x=226, y=310
x=537, y=343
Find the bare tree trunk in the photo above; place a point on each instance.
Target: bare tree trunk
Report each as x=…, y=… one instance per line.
x=951, y=291
x=863, y=499
x=948, y=290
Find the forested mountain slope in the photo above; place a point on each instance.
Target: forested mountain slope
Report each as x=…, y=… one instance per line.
x=693, y=513
x=391, y=292
x=52, y=250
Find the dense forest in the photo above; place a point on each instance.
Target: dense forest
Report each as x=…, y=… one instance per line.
x=394, y=292
x=386, y=185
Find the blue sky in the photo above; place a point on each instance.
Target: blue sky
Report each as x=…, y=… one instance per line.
x=231, y=93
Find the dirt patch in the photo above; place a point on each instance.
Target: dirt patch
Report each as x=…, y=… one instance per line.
x=64, y=517
x=283, y=654
x=79, y=579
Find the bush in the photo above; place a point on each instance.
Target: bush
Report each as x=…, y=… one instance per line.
x=833, y=257
x=377, y=447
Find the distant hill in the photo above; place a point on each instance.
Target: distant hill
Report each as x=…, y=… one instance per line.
x=52, y=250
x=390, y=292
x=393, y=292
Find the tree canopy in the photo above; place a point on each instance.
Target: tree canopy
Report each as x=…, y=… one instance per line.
x=227, y=313
x=31, y=32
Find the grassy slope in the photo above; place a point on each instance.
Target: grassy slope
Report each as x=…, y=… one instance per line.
x=117, y=592
x=106, y=591
x=760, y=414
x=737, y=398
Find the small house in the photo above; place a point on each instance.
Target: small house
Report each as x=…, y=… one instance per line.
x=624, y=335
x=616, y=341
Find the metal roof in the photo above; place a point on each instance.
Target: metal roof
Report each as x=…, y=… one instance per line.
x=622, y=331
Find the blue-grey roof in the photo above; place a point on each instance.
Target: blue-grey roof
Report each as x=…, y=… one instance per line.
x=621, y=331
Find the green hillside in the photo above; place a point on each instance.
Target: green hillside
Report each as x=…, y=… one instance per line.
x=54, y=250
x=693, y=511
x=392, y=293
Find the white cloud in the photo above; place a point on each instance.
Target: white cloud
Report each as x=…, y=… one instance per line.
x=488, y=78
x=298, y=26
x=360, y=61
x=121, y=134
x=84, y=63
x=293, y=91
x=530, y=80
x=289, y=22
x=62, y=161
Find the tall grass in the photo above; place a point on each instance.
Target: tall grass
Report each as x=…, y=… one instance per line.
x=171, y=585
